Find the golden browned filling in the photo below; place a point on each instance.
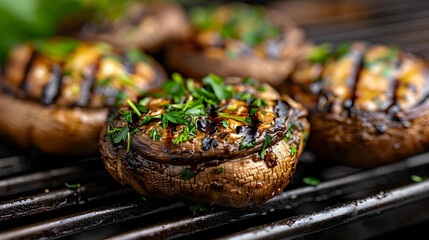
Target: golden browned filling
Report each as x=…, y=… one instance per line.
x=362, y=77
x=68, y=73
x=215, y=119
x=241, y=30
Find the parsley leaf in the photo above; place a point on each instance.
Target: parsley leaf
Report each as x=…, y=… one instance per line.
x=196, y=208
x=136, y=55
x=247, y=121
x=311, y=181
x=135, y=109
x=267, y=142
x=117, y=135
x=128, y=142
x=225, y=123
x=253, y=111
x=259, y=103
x=153, y=134
x=247, y=143
x=288, y=135
x=72, y=186
x=127, y=116
x=417, y=178
x=174, y=117
x=320, y=54
x=175, y=88
x=187, y=174
x=146, y=119
x=184, y=136
x=292, y=150
x=215, y=82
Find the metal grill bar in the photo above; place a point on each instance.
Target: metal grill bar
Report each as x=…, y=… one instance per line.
x=354, y=183
x=41, y=203
x=339, y=214
x=297, y=212
x=87, y=220
x=49, y=178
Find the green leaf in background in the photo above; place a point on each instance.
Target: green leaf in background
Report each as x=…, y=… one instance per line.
x=23, y=20
x=59, y=48
x=321, y=53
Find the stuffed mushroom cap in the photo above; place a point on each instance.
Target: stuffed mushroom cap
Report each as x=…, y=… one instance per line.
x=368, y=103
x=55, y=93
x=239, y=40
x=232, y=142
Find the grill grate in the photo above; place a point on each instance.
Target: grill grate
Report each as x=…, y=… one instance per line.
x=35, y=203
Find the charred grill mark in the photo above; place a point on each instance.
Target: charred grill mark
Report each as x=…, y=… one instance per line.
x=209, y=143
x=207, y=125
x=393, y=85
x=129, y=66
x=52, y=89
x=88, y=85
x=24, y=85
x=353, y=79
x=281, y=110
x=425, y=91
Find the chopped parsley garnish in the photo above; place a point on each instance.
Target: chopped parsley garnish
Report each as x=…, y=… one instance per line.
x=175, y=117
x=175, y=88
x=247, y=121
x=135, y=130
x=320, y=54
x=197, y=208
x=292, y=126
x=249, y=24
x=219, y=170
x=58, y=49
x=189, y=101
x=311, y=181
x=187, y=174
x=259, y=103
x=225, y=123
x=253, y=111
x=288, y=135
x=136, y=55
x=261, y=89
x=188, y=133
x=267, y=142
x=249, y=80
x=117, y=135
x=417, y=178
x=342, y=49
x=221, y=91
x=247, y=143
x=72, y=186
x=135, y=109
x=292, y=150
x=127, y=116
x=128, y=142
x=153, y=134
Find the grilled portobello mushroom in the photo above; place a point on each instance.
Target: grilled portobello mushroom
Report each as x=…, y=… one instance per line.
x=231, y=143
x=55, y=94
x=135, y=24
x=369, y=103
x=238, y=40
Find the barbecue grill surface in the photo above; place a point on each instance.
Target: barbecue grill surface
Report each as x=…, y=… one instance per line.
x=348, y=203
